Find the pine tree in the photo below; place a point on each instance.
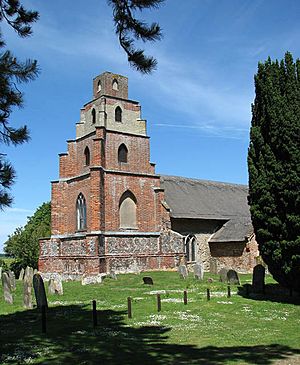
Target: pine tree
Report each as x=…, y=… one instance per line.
x=12, y=73
x=129, y=28
x=274, y=168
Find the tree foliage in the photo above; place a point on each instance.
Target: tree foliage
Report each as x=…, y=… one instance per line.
x=129, y=28
x=274, y=168
x=23, y=244
x=12, y=73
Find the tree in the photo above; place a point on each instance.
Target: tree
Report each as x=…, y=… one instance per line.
x=129, y=28
x=12, y=72
x=274, y=168
x=23, y=244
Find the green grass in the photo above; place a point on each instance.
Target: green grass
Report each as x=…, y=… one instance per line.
x=259, y=329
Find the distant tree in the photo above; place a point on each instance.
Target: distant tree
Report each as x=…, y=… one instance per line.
x=23, y=244
x=12, y=72
x=274, y=168
x=129, y=28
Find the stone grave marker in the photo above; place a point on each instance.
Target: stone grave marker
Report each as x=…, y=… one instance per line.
x=198, y=271
x=258, y=279
x=27, y=292
x=147, y=280
x=12, y=279
x=182, y=270
x=55, y=286
x=7, y=288
x=21, y=275
x=0, y=271
x=39, y=291
x=223, y=275
x=113, y=275
x=29, y=273
x=233, y=278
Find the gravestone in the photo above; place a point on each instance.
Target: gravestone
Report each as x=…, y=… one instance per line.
x=35, y=271
x=233, y=278
x=27, y=292
x=21, y=275
x=113, y=275
x=12, y=279
x=28, y=273
x=223, y=275
x=55, y=286
x=258, y=279
x=6, y=288
x=147, y=280
x=182, y=270
x=198, y=271
x=39, y=291
x=0, y=271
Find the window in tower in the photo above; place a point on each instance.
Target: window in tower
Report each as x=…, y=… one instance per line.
x=118, y=114
x=122, y=153
x=127, y=211
x=87, y=156
x=115, y=85
x=99, y=86
x=93, y=116
x=81, y=212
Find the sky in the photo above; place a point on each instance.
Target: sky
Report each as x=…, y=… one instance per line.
x=197, y=103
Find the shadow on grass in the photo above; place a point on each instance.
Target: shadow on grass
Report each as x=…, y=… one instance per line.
x=272, y=292
x=70, y=339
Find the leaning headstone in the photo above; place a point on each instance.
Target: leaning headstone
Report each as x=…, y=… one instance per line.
x=147, y=280
x=198, y=271
x=21, y=275
x=7, y=288
x=233, y=278
x=182, y=270
x=258, y=279
x=223, y=275
x=12, y=279
x=55, y=286
x=39, y=291
x=27, y=292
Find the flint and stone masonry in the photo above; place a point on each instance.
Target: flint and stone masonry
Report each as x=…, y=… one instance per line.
x=110, y=211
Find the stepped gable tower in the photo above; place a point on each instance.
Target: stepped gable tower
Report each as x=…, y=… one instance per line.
x=106, y=210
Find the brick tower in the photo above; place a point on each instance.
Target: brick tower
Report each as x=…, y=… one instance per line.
x=107, y=211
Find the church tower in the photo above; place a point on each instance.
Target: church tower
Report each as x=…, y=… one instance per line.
x=106, y=208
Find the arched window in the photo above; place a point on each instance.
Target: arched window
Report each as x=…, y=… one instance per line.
x=127, y=211
x=99, y=86
x=93, y=116
x=81, y=212
x=118, y=114
x=115, y=85
x=87, y=156
x=122, y=153
x=190, y=247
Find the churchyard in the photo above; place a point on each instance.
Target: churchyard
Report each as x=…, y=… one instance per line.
x=245, y=328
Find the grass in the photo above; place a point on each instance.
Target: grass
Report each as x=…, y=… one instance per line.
x=259, y=329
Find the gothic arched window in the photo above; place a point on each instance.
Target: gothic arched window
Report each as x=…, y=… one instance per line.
x=99, y=86
x=118, y=114
x=81, y=212
x=93, y=116
x=115, y=85
x=190, y=247
x=87, y=156
x=127, y=211
x=122, y=153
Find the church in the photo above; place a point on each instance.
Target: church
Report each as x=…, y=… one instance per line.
x=110, y=211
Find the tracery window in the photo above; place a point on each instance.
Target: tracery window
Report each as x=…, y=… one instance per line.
x=190, y=247
x=81, y=212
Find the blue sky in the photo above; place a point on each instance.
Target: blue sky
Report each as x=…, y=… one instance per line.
x=197, y=103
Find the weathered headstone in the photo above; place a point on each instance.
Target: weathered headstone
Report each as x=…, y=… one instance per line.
x=21, y=275
x=258, y=279
x=55, y=286
x=0, y=271
x=12, y=279
x=198, y=271
x=39, y=291
x=27, y=292
x=28, y=273
x=147, y=280
x=223, y=275
x=113, y=275
x=182, y=270
x=233, y=278
x=7, y=288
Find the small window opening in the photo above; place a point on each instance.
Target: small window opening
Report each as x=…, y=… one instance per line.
x=190, y=247
x=122, y=153
x=115, y=85
x=99, y=86
x=93, y=116
x=87, y=156
x=118, y=114
x=81, y=212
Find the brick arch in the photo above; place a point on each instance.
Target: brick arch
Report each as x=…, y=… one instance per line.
x=128, y=211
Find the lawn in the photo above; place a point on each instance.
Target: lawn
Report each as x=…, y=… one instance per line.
x=254, y=329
